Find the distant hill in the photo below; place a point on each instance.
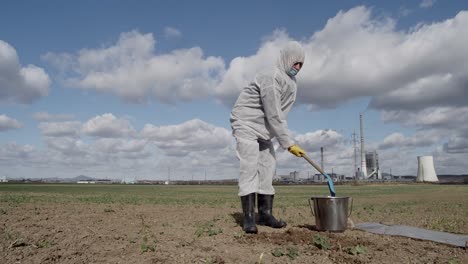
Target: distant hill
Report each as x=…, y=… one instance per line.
x=455, y=179
x=82, y=178
x=56, y=179
x=66, y=180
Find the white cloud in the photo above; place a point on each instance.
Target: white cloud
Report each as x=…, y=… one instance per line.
x=15, y=152
x=421, y=139
x=20, y=84
x=192, y=136
x=132, y=70
x=242, y=69
x=170, y=33
x=60, y=129
x=321, y=138
x=371, y=58
x=447, y=123
x=403, y=11
x=7, y=123
x=431, y=117
x=357, y=54
x=112, y=145
x=416, y=77
x=108, y=126
x=70, y=147
x=457, y=144
x=187, y=149
x=427, y=3
x=46, y=117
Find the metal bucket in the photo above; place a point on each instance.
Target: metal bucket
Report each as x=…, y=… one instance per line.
x=331, y=213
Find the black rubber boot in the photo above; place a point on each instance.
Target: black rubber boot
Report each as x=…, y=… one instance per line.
x=265, y=205
x=248, y=208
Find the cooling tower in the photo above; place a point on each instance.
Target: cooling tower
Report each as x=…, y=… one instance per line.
x=426, y=171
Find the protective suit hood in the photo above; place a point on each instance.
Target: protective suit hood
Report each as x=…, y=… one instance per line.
x=289, y=55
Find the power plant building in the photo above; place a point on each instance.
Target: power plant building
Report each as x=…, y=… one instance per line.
x=373, y=169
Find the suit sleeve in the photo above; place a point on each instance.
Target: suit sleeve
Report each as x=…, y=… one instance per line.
x=270, y=92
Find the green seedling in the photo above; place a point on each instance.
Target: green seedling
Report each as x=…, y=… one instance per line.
x=215, y=231
x=108, y=210
x=277, y=252
x=321, y=242
x=11, y=235
x=293, y=253
x=208, y=228
x=44, y=243
x=356, y=250
x=146, y=246
x=239, y=235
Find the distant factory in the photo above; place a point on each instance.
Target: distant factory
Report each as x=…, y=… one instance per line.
x=369, y=169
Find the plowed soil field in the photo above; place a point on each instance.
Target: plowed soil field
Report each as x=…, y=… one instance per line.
x=202, y=224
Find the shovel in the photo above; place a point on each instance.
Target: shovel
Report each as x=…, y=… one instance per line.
x=329, y=180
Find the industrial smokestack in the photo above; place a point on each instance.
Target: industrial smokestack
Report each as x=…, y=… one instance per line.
x=356, y=176
x=321, y=158
x=363, y=151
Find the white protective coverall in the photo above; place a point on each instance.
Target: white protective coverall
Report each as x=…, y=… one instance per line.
x=259, y=115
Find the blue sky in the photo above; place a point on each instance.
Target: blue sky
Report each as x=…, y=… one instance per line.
x=118, y=88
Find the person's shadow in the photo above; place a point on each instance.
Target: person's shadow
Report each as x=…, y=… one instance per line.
x=310, y=227
x=238, y=217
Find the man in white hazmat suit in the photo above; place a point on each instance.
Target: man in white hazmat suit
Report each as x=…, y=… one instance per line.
x=259, y=115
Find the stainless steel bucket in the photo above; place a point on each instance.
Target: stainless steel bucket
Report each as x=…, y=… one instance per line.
x=331, y=213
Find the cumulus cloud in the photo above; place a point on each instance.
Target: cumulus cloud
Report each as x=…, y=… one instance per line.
x=427, y=3
x=403, y=11
x=321, y=138
x=448, y=123
x=413, y=69
x=189, y=149
x=421, y=139
x=68, y=146
x=417, y=77
x=20, y=84
x=131, y=69
x=242, y=69
x=457, y=144
x=13, y=151
x=112, y=145
x=191, y=136
x=47, y=117
x=357, y=54
x=108, y=126
x=431, y=117
x=170, y=33
x=8, y=123
x=60, y=129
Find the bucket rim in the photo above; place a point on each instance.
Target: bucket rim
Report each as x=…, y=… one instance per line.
x=329, y=197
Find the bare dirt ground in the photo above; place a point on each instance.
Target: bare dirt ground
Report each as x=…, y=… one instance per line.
x=146, y=233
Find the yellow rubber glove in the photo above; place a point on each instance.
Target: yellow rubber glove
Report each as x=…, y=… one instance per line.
x=296, y=150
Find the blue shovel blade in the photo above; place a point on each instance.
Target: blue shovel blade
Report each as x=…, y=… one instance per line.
x=330, y=185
